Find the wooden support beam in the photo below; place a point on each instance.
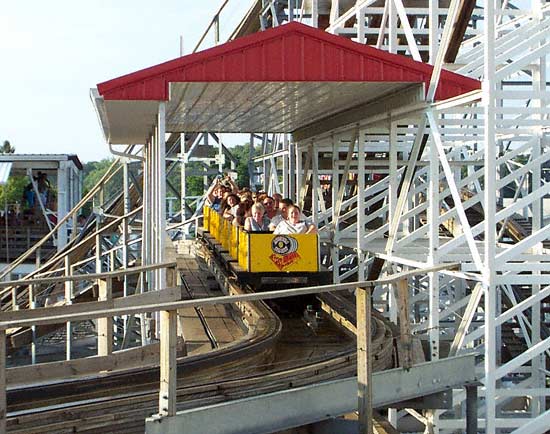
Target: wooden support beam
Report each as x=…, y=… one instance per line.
x=68, y=302
x=3, y=402
x=137, y=357
x=105, y=325
x=364, y=360
x=404, y=321
x=168, y=363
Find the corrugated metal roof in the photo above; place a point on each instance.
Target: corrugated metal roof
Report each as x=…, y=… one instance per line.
x=278, y=80
x=5, y=169
x=292, y=52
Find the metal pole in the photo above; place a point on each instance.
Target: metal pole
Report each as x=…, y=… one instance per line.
x=471, y=409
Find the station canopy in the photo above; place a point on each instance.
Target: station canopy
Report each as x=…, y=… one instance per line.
x=278, y=80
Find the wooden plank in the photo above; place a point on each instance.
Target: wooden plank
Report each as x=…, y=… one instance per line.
x=364, y=360
x=147, y=298
x=105, y=324
x=3, y=401
x=91, y=276
x=168, y=363
x=404, y=322
x=126, y=359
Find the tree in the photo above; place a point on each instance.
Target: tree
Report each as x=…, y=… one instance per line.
x=7, y=148
x=12, y=191
x=241, y=153
x=94, y=170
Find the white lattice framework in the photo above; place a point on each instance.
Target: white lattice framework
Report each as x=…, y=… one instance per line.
x=485, y=155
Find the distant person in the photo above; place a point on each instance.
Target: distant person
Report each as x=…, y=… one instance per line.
x=81, y=221
x=44, y=187
x=295, y=224
x=29, y=196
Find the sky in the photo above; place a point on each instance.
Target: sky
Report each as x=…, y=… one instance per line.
x=52, y=53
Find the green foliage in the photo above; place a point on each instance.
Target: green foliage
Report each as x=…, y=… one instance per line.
x=241, y=153
x=7, y=148
x=13, y=191
x=93, y=171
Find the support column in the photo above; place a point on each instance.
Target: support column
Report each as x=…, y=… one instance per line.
x=62, y=202
x=161, y=199
x=315, y=185
x=292, y=168
x=433, y=256
x=183, y=177
x=402, y=290
x=3, y=401
x=286, y=166
x=392, y=206
x=335, y=257
x=538, y=363
x=251, y=162
x=299, y=167
x=392, y=27
x=364, y=359
x=104, y=325
x=32, y=305
x=145, y=238
x=361, y=270
x=471, y=409
x=68, y=301
x=168, y=363
x=489, y=275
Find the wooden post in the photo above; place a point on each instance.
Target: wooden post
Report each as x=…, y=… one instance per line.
x=32, y=305
x=404, y=322
x=14, y=304
x=105, y=325
x=364, y=362
x=168, y=363
x=180, y=329
x=3, y=402
x=68, y=301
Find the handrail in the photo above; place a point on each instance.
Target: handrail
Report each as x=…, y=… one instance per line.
x=91, y=276
x=75, y=312
x=214, y=19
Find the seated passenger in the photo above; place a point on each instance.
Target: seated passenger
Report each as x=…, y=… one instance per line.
x=283, y=215
x=230, y=206
x=269, y=205
x=259, y=221
x=294, y=224
x=214, y=195
x=240, y=215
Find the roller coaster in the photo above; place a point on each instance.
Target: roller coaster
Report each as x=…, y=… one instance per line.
x=372, y=117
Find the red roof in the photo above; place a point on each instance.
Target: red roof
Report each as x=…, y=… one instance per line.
x=292, y=52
